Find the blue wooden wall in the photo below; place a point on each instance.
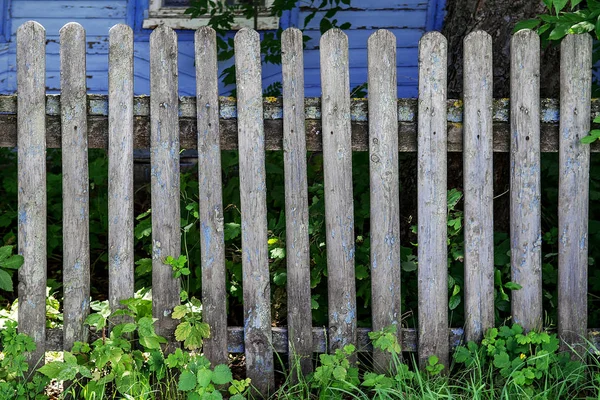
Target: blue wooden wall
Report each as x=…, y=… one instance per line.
x=407, y=19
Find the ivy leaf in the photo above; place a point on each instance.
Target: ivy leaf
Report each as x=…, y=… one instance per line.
x=222, y=374
x=187, y=381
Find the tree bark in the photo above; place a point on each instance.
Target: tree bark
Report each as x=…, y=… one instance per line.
x=498, y=18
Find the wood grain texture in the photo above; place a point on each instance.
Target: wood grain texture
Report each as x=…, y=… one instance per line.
x=385, y=190
x=164, y=181
x=573, y=189
x=525, y=181
x=478, y=186
x=253, y=201
x=76, y=242
x=296, y=203
x=31, y=140
x=339, y=206
x=212, y=242
x=120, y=166
x=432, y=200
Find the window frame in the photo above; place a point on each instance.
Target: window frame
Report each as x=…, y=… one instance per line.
x=176, y=18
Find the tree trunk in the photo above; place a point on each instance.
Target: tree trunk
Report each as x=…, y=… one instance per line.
x=498, y=18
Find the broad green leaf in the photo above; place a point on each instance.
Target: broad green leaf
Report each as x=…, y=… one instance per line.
x=559, y=32
x=179, y=312
x=409, y=266
x=454, y=302
x=582, y=27
x=52, y=369
x=527, y=24
x=204, y=376
x=5, y=281
x=183, y=331
x=5, y=252
x=13, y=262
x=222, y=374
x=231, y=230
x=339, y=373
x=96, y=320
x=187, y=381
x=559, y=5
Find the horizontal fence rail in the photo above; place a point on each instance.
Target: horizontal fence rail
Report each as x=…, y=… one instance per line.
x=335, y=124
x=97, y=113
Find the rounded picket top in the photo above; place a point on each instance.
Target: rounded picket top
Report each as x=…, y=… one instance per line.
x=120, y=30
x=433, y=38
x=481, y=37
x=31, y=26
x=381, y=36
x=291, y=35
x=71, y=29
x=164, y=32
x=205, y=33
x=334, y=35
x=246, y=36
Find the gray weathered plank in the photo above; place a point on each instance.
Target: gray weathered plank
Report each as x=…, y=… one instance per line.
x=296, y=203
x=164, y=158
x=432, y=200
x=478, y=185
x=76, y=241
x=253, y=201
x=573, y=189
x=385, y=190
x=31, y=78
x=212, y=242
x=120, y=165
x=339, y=206
x=273, y=114
x=525, y=181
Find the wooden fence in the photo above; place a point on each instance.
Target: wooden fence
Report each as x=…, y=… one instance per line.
x=335, y=125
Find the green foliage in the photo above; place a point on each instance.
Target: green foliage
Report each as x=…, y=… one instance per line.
x=200, y=381
x=222, y=17
x=527, y=360
x=15, y=383
x=336, y=374
x=191, y=330
x=9, y=263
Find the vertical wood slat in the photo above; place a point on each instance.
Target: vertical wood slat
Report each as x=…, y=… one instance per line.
x=212, y=241
x=164, y=158
x=432, y=199
x=296, y=203
x=253, y=201
x=31, y=140
x=339, y=207
x=573, y=190
x=525, y=180
x=120, y=165
x=76, y=242
x=478, y=185
x=385, y=191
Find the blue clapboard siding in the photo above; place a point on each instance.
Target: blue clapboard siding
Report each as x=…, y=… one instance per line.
x=407, y=19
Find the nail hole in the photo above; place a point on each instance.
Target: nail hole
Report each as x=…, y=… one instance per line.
x=526, y=137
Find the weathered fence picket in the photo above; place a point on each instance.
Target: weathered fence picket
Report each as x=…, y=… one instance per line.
x=478, y=185
x=385, y=187
x=253, y=201
x=31, y=140
x=525, y=181
x=432, y=200
x=210, y=204
x=164, y=181
x=573, y=189
x=339, y=204
x=76, y=230
x=431, y=126
x=296, y=202
x=120, y=166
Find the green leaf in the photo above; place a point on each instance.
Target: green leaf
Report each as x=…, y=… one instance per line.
x=454, y=302
x=179, y=312
x=13, y=262
x=183, y=331
x=96, y=320
x=512, y=286
x=204, y=376
x=231, y=230
x=278, y=253
x=339, y=373
x=187, y=381
x=5, y=252
x=527, y=24
x=560, y=31
x=52, y=369
x=409, y=266
x=222, y=374
x=559, y=5
x=5, y=281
